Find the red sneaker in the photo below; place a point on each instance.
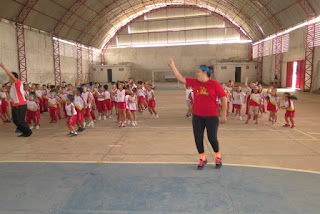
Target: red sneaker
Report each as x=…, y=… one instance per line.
x=4, y=123
x=218, y=163
x=202, y=163
x=247, y=122
x=292, y=126
x=286, y=125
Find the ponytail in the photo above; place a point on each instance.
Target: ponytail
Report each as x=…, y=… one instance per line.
x=290, y=96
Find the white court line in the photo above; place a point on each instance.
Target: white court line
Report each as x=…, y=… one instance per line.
x=162, y=163
x=312, y=133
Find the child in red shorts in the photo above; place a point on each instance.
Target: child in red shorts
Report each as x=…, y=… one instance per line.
x=290, y=110
x=53, y=102
x=5, y=105
x=71, y=116
x=32, y=111
x=107, y=101
x=151, y=101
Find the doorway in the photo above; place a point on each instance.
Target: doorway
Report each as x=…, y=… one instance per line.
x=238, y=74
x=109, y=75
x=295, y=74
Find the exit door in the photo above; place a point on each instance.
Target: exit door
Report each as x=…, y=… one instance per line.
x=109, y=75
x=238, y=74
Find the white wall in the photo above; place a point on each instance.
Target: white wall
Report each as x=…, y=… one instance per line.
x=8, y=49
x=296, y=52
x=39, y=54
x=224, y=75
x=187, y=58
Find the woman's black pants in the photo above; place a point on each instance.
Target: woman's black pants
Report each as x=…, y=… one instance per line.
x=211, y=124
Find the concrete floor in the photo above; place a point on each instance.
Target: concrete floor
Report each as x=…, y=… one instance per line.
x=169, y=140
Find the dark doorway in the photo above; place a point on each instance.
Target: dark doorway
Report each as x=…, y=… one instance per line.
x=238, y=74
x=109, y=75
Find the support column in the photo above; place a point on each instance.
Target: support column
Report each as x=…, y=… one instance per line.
x=22, y=61
x=278, y=62
x=260, y=62
x=90, y=59
x=309, y=47
x=79, y=62
x=309, y=57
x=56, y=61
x=250, y=52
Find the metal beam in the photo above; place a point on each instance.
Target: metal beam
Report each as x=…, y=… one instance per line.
x=179, y=6
x=21, y=42
x=309, y=47
x=79, y=62
x=260, y=62
x=90, y=59
x=249, y=22
x=28, y=6
x=56, y=61
x=278, y=61
x=250, y=52
x=66, y=17
x=309, y=57
x=267, y=13
x=22, y=59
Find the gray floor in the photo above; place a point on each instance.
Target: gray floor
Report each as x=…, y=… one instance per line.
x=73, y=188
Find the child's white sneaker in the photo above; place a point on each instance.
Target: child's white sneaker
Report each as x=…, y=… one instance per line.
x=156, y=116
x=135, y=122
x=152, y=117
x=37, y=127
x=92, y=124
x=237, y=117
x=31, y=127
x=240, y=118
x=104, y=117
x=129, y=122
x=99, y=118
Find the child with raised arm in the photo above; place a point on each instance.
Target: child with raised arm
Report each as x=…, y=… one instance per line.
x=273, y=104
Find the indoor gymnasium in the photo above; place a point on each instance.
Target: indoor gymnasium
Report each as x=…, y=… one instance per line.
x=159, y=106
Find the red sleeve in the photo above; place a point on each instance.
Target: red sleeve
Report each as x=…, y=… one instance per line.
x=190, y=81
x=17, y=83
x=219, y=90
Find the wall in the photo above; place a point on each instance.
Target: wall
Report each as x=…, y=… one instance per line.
x=8, y=49
x=39, y=54
x=187, y=58
x=224, y=75
x=118, y=73
x=296, y=52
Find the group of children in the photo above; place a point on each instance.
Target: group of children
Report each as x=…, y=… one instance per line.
x=254, y=98
x=79, y=103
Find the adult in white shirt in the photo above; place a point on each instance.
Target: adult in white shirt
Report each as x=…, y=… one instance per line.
x=19, y=103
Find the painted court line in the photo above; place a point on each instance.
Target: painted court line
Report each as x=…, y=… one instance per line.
x=163, y=163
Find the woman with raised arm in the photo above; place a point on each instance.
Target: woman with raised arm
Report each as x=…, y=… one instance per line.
x=205, y=109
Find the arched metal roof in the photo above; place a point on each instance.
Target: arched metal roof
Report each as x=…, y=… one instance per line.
x=95, y=22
